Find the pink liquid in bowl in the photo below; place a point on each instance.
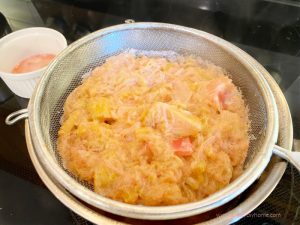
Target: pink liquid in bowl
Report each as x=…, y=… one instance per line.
x=33, y=63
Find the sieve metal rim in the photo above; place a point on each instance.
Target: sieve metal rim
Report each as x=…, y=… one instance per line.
x=160, y=212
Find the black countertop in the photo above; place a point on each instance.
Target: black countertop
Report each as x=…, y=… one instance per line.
x=269, y=30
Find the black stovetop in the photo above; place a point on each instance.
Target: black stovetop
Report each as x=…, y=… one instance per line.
x=269, y=30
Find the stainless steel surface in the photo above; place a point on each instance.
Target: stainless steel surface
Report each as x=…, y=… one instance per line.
x=65, y=73
x=291, y=157
x=16, y=116
x=129, y=21
x=266, y=183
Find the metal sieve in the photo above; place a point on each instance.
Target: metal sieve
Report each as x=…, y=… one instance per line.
x=66, y=71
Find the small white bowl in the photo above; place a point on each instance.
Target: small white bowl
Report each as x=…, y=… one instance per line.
x=22, y=44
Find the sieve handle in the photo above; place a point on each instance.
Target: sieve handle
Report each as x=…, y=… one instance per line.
x=290, y=156
x=16, y=116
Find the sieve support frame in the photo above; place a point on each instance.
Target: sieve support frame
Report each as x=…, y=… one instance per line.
x=292, y=157
x=16, y=116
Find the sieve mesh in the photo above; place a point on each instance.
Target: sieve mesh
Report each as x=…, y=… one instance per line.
x=65, y=74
